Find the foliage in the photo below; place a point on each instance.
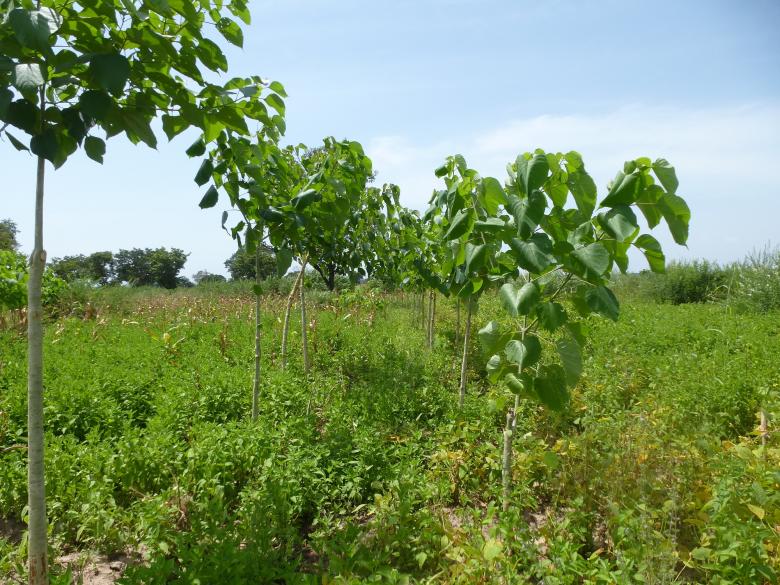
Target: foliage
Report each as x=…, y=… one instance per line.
x=8, y=233
x=241, y=264
x=205, y=277
x=98, y=267
x=148, y=267
x=653, y=471
x=13, y=283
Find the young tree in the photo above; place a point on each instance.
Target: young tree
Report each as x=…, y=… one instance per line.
x=68, y=69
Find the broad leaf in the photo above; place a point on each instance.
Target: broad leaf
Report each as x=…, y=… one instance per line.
x=653, y=252
x=527, y=212
x=666, y=175
x=28, y=77
x=95, y=148
x=602, y=300
x=493, y=195
x=535, y=254
x=677, y=216
x=460, y=224
x=204, y=172
x=571, y=358
x=110, y=72
x=619, y=222
x=532, y=173
x=210, y=198
x=519, y=301
x=624, y=190
x=524, y=353
x=551, y=315
x=594, y=258
x=550, y=386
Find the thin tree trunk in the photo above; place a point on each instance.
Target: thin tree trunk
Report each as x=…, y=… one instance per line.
x=506, y=468
x=457, y=321
x=423, y=312
x=256, y=389
x=431, y=318
x=464, y=362
x=304, y=336
x=36, y=486
x=286, y=328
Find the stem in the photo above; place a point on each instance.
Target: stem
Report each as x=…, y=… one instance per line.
x=304, y=336
x=506, y=468
x=464, y=362
x=431, y=310
x=457, y=321
x=36, y=486
x=256, y=389
x=287, y=311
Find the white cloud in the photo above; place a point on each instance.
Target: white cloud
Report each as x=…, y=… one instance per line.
x=724, y=158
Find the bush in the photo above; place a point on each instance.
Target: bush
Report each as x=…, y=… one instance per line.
x=756, y=281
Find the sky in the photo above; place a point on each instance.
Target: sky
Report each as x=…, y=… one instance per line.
x=695, y=82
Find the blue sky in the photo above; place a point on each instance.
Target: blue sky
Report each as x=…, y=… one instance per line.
x=695, y=82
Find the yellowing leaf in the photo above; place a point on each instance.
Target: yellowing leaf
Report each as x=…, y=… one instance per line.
x=757, y=511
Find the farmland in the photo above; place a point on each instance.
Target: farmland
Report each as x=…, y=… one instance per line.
x=365, y=470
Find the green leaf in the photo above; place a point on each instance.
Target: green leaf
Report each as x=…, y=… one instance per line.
x=137, y=127
x=602, y=300
x=495, y=368
x=284, y=258
x=306, y=198
x=45, y=145
x=532, y=173
x=666, y=175
x=619, y=222
x=28, y=77
x=460, y=224
x=677, y=215
x=95, y=104
x=571, y=358
x=524, y=353
x=519, y=301
x=95, y=148
x=23, y=115
x=624, y=190
x=491, y=549
x=653, y=252
x=594, y=258
x=527, y=212
x=32, y=28
x=583, y=188
x=551, y=315
x=475, y=257
x=210, y=198
x=197, y=148
x=490, y=337
x=550, y=386
x=204, y=172
x=231, y=31
x=15, y=142
x=275, y=102
x=493, y=195
x=110, y=71
x=534, y=255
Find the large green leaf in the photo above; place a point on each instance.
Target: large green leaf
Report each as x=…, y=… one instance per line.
x=519, y=301
x=210, y=198
x=110, y=71
x=528, y=212
x=284, y=258
x=602, y=300
x=550, y=386
x=95, y=148
x=624, y=190
x=551, y=315
x=619, y=222
x=32, y=28
x=491, y=338
x=306, y=198
x=95, y=104
x=653, y=252
x=666, y=175
x=137, y=127
x=523, y=353
x=203, y=175
x=532, y=173
x=571, y=358
x=475, y=257
x=583, y=189
x=231, y=31
x=677, y=216
x=493, y=195
x=28, y=77
x=45, y=145
x=460, y=224
x=594, y=258
x=535, y=254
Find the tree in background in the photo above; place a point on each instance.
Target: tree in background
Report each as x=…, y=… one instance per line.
x=241, y=264
x=204, y=277
x=97, y=267
x=8, y=232
x=147, y=267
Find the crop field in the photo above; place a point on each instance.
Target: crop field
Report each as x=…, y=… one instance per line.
x=365, y=470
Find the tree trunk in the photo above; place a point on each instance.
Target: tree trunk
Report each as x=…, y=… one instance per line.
x=431, y=317
x=37, y=543
x=256, y=389
x=423, y=312
x=286, y=328
x=457, y=321
x=464, y=362
x=506, y=468
x=304, y=336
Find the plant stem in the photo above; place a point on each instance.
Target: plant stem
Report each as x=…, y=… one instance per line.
x=286, y=328
x=506, y=468
x=304, y=336
x=256, y=389
x=36, y=486
x=464, y=362
x=457, y=321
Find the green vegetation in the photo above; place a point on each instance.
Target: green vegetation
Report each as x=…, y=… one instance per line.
x=365, y=471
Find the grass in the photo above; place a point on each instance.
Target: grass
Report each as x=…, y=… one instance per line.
x=366, y=472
